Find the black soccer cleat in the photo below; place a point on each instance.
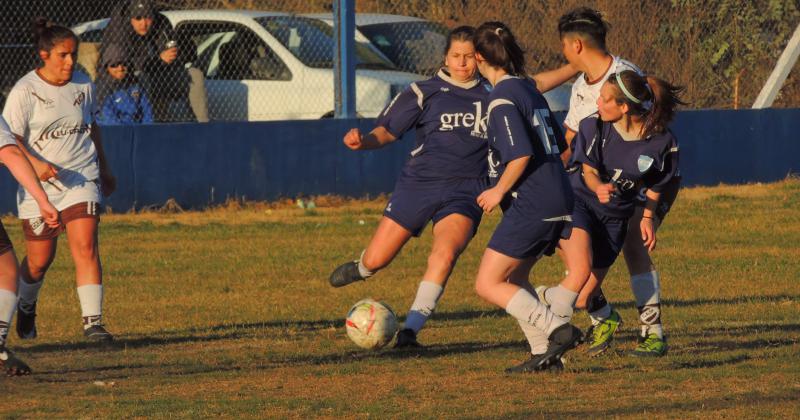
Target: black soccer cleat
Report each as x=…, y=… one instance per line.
x=26, y=323
x=11, y=364
x=563, y=339
x=345, y=274
x=98, y=332
x=538, y=363
x=406, y=338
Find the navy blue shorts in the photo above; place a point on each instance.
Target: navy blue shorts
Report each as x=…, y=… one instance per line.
x=521, y=236
x=414, y=204
x=607, y=233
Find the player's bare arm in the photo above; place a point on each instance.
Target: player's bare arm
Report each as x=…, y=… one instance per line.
x=375, y=139
x=44, y=170
x=551, y=79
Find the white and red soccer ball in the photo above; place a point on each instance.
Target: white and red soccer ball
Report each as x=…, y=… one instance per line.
x=371, y=324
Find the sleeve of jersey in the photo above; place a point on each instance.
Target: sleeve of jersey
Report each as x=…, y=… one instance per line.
x=509, y=131
x=6, y=137
x=587, y=148
x=17, y=111
x=403, y=111
x=668, y=167
x=572, y=120
x=89, y=109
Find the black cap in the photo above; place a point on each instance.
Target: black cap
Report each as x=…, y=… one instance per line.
x=141, y=8
x=113, y=54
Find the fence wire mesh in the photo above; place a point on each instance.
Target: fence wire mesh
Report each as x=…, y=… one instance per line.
x=273, y=59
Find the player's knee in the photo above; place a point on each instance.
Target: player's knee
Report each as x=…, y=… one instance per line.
x=374, y=262
x=84, y=251
x=482, y=288
x=34, y=266
x=445, y=258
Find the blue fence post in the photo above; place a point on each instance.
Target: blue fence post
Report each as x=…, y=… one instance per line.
x=344, y=18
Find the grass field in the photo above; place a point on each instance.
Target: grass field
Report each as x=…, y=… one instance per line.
x=228, y=312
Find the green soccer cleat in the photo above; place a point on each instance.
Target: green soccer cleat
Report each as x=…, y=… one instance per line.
x=601, y=335
x=650, y=346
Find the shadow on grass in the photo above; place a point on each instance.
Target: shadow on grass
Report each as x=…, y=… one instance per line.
x=705, y=407
x=738, y=300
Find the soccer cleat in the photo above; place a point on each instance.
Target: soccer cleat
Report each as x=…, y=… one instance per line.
x=561, y=340
x=601, y=335
x=406, y=338
x=650, y=346
x=540, y=293
x=12, y=364
x=26, y=323
x=537, y=364
x=345, y=274
x=98, y=332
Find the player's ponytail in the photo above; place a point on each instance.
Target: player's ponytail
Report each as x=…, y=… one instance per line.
x=666, y=98
x=652, y=99
x=498, y=46
x=47, y=34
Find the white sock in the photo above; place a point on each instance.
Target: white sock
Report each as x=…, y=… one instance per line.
x=537, y=339
x=8, y=304
x=362, y=269
x=600, y=315
x=656, y=329
x=91, y=298
x=646, y=288
x=28, y=294
x=647, y=291
x=526, y=307
x=562, y=301
x=428, y=295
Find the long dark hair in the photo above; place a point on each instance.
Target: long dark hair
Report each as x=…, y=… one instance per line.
x=586, y=22
x=651, y=98
x=495, y=42
x=47, y=34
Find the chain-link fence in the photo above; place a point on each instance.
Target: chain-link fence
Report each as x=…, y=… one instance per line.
x=273, y=59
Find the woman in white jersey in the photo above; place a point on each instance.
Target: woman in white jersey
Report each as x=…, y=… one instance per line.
x=50, y=111
x=21, y=169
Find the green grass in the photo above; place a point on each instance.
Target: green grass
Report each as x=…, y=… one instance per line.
x=228, y=313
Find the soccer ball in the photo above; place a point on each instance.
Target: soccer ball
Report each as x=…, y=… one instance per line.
x=371, y=324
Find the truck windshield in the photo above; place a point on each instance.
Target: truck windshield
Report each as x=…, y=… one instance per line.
x=414, y=47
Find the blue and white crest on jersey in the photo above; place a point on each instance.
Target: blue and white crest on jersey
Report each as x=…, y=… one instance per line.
x=644, y=162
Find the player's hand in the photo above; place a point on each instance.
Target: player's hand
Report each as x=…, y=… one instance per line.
x=489, y=199
x=648, y=233
x=353, y=139
x=44, y=170
x=49, y=213
x=108, y=184
x=169, y=55
x=604, y=192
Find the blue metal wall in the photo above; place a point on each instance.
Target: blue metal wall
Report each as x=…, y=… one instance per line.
x=199, y=164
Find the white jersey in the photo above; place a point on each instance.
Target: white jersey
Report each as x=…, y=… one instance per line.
x=583, y=99
x=55, y=124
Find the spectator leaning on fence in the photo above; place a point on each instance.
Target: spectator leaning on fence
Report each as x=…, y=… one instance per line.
x=176, y=90
x=120, y=98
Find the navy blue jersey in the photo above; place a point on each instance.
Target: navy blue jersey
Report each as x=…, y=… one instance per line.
x=521, y=124
x=631, y=165
x=450, y=122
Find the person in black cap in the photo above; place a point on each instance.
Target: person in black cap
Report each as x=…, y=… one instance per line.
x=148, y=41
x=120, y=99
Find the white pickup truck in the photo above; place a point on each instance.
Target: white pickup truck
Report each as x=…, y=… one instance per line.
x=263, y=66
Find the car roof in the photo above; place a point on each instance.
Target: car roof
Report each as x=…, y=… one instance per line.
x=363, y=19
x=181, y=15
